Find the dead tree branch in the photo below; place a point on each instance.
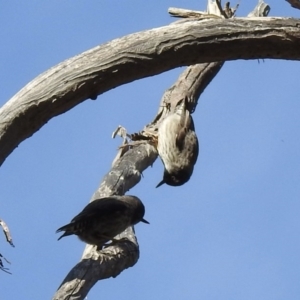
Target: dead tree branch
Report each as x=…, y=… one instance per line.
x=110, y=262
x=125, y=173
x=9, y=240
x=6, y=232
x=137, y=56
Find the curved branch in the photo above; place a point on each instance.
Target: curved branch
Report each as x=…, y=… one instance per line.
x=140, y=55
x=125, y=173
x=110, y=262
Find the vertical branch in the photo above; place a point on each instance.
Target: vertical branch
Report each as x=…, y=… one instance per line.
x=111, y=261
x=125, y=173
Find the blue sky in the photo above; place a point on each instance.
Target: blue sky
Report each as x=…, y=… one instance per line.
x=231, y=232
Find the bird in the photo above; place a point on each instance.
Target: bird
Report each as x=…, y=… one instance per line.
x=104, y=218
x=177, y=145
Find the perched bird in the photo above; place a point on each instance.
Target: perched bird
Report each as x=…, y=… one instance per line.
x=104, y=218
x=177, y=146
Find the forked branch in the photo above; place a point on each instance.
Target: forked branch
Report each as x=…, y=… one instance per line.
x=125, y=173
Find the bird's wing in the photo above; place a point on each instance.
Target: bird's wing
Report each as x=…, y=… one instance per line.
x=183, y=127
x=107, y=207
x=195, y=150
x=102, y=207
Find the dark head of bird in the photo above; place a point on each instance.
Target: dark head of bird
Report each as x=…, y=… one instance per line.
x=102, y=219
x=176, y=179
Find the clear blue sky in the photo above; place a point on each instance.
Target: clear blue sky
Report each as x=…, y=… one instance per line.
x=232, y=232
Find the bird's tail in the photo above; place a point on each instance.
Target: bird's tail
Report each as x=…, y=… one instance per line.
x=67, y=230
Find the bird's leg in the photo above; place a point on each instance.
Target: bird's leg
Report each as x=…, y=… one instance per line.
x=142, y=138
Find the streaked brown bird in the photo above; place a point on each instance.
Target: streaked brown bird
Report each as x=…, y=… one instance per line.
x=102, y=219
x=177, y=146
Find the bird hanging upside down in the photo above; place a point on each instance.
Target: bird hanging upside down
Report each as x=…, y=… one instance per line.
x=177, y=146
x=102, y=219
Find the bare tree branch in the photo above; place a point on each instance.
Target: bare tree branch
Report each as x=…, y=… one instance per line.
x=214, y=10
x=139, y=55
x=125, y=173
x=9, y=240
x=110, y=262
x=6, y=232
x=187, y=13
x=121, y=61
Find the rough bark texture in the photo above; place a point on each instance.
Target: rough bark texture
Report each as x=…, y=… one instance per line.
x=139, y=55
x=124, y=174
x=123, y=60
x=111, y=261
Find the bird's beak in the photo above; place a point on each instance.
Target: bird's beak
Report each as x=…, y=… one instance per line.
x=145, y=221
x=161, y=183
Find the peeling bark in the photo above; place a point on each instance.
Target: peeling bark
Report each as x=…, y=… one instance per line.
x=124, y=174
x=201, y=44
x=139, y=55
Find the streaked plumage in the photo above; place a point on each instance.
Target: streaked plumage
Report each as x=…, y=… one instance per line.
x=102, y=219
x=177, y=146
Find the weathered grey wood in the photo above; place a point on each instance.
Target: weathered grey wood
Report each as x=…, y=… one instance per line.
x=187, y=13
x=139, y=55
x=190, y=84
x=124, y=174
x=214, y=10
x=110, y=262
x=6, y=232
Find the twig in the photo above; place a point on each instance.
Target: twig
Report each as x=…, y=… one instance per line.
x=125, y=173
x=6, y=232
x=2, y=266
x=9, y=240
x=187, y=13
